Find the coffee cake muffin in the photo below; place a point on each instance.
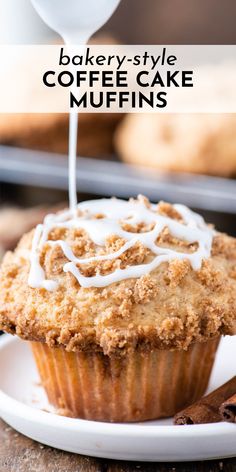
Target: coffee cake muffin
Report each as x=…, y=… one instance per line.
x=124, y=304
x=195, y=143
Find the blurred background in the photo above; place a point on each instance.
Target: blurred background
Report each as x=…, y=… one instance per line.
x=153, y=22
x=189, y=159
x=175, y=22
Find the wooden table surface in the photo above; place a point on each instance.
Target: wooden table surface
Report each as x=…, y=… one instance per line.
x=20, y=454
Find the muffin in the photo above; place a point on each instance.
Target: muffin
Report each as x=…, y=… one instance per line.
x=123, y=306
x=198, y=143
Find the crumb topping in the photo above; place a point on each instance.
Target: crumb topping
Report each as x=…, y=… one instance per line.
x=111, y=240
x=168, y=308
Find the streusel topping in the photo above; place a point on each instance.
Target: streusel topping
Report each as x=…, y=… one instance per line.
x=180, y=300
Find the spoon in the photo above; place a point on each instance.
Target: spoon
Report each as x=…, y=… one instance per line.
x=75, y=20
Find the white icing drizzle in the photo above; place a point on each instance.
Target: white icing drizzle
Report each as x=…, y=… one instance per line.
x=73, y=131
x=116, y=211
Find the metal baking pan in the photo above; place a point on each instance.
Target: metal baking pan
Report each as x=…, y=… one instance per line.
x=105, y=177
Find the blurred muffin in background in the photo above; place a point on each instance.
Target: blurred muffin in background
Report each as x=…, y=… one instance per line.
x=49, y=132
x=199, y=143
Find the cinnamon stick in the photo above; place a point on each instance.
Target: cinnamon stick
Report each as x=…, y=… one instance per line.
x=228, y=410
x=206, y=410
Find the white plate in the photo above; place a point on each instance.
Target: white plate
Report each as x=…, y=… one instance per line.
x=22, y=400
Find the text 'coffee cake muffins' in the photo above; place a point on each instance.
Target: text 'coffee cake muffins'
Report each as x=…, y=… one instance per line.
x=124, y=304
x=49, y=131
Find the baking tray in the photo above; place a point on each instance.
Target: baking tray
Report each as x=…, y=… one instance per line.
x=111, y=177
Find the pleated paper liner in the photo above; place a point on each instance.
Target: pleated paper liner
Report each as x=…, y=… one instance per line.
x=139, y=386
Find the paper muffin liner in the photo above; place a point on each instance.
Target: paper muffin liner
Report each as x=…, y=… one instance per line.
x=136, y=387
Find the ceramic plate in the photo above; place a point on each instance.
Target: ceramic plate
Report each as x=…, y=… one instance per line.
x=24, y=406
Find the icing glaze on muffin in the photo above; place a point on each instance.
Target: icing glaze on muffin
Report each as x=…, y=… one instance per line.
x=121, y=276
